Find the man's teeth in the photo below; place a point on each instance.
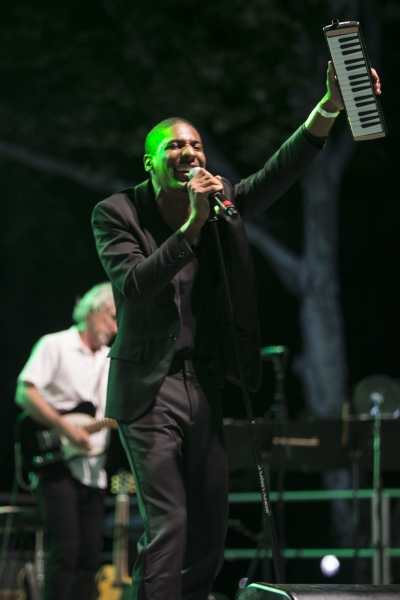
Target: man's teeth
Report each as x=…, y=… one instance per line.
x=183, y=169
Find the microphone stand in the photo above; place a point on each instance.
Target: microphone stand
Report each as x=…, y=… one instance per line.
x=353, y=441
x=281, y=415
x=377, y=399
x=252, y=425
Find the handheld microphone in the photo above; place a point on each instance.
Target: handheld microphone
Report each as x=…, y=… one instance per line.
x=217, y=198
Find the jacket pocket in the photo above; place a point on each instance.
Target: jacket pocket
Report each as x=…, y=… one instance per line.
x=126, y=350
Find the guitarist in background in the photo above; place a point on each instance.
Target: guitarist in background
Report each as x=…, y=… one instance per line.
x=65, y=369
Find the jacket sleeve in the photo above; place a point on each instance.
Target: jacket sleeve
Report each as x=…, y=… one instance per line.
x=126, y=256
x=257, y=192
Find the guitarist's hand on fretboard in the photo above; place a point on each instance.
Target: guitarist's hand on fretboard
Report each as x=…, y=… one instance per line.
x=77, y=436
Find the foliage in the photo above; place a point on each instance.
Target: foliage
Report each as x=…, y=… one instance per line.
x=85, y=81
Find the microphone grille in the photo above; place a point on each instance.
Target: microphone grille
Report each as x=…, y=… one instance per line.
x=193, y=172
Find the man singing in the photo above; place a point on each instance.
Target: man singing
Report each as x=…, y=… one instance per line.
x=174, y=345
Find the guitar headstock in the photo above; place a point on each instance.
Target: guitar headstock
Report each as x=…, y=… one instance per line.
x=122, y=483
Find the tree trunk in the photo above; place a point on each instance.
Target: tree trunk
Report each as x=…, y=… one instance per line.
x=313, y=277
x=322, y=365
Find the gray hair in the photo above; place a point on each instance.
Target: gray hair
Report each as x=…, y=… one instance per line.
x=97, y=298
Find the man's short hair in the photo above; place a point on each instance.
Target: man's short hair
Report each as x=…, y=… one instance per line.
x=97, y=298
x=156, y=134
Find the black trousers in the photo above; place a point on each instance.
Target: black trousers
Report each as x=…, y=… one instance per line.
x=179, y=464
x=73, y=515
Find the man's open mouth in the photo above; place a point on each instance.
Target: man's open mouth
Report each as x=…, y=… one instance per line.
x=182, y=172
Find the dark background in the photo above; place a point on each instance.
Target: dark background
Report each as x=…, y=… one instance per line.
x=83, y=82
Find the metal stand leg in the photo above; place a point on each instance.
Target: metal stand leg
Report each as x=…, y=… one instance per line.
x=377, y=541
x=355, y=455
x=375, y=527
x=386, y=542
x=39, y=559
x=252, y=425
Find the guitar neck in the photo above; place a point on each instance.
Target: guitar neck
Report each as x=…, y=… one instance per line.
x=98, y=424
x=120, y=545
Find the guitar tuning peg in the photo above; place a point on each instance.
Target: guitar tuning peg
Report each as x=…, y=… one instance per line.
x=115, y=484
x=123, y=481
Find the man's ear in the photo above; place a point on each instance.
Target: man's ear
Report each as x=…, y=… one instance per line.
x=147, y=161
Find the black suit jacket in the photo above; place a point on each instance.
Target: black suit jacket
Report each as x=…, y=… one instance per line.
x=142, y=266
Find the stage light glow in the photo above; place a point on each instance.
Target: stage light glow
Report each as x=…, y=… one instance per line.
x=330, y=565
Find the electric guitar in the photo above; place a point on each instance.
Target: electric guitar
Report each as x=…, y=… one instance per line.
x=113, y=581
x=43, y=449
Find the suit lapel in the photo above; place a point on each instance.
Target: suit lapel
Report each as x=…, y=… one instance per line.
x=152, y=224
x=150, y=219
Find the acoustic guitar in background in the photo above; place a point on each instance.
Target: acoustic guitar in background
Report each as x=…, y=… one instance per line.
x=113, y=581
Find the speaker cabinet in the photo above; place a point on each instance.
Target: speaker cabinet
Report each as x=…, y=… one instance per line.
x=266, y=591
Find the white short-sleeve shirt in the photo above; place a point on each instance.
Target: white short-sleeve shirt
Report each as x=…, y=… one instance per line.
x=66, y=372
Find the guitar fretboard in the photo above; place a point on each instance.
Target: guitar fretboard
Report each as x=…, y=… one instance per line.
x=98, y=424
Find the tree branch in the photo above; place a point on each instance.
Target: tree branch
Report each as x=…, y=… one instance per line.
x=62, y=168
x=285, y=263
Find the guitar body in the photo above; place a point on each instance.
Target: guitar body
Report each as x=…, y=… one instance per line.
x=108, y=588
x=44, y=449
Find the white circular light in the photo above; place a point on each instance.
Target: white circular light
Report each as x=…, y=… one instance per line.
x=243, y=583
x=330, y=565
